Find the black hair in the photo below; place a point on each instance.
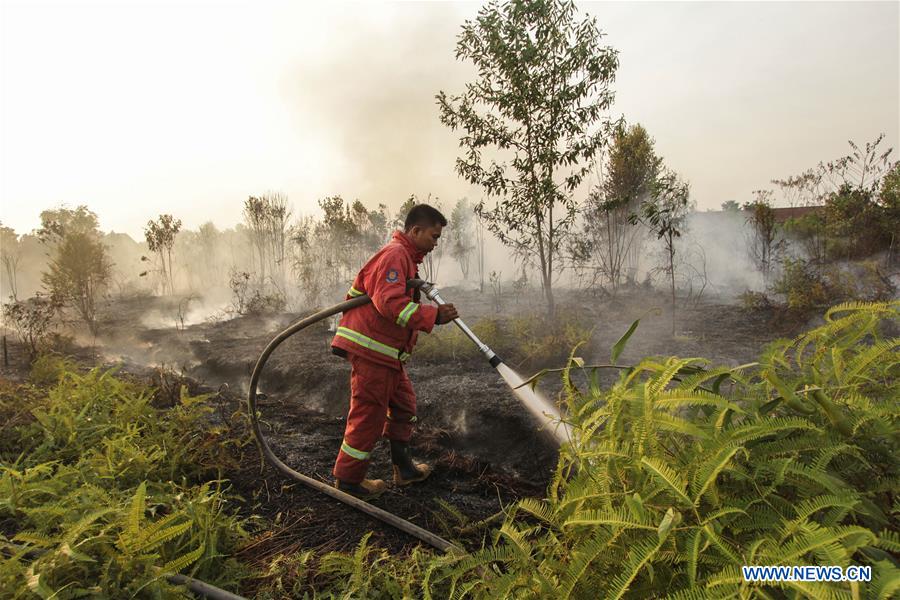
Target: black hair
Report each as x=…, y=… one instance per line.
x=424, y=215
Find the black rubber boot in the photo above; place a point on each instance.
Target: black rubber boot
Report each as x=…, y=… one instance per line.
x=365, y=490
x=405, y=470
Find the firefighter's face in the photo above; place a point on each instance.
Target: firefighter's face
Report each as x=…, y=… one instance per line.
x=425, y=238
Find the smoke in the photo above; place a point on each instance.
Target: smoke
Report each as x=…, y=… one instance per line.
x=714, y=246
x=370, y=102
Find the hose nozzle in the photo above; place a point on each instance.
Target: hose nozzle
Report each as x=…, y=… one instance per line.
x=431, y=292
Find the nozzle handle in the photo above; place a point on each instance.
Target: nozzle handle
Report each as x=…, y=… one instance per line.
x=431, y=292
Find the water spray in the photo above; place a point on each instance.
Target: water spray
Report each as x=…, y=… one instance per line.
x=541, y=408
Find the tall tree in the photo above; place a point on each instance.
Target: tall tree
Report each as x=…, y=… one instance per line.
x=889, y=200
x=207, y=239
x=764, y=245
x=460, y=235
x=79, y=268
x=266, y=218
x=338, y=232
x=665, y=213
x=160, y=236
x=543, y=84
x=611, y=238
x=10, y=255
x=479, y=250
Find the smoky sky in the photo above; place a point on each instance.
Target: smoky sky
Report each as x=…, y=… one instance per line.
x=373, y=97
x=136, y=109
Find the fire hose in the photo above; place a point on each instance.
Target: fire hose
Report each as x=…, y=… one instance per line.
x=371, y=510
x=431, y=292
x=562, y=431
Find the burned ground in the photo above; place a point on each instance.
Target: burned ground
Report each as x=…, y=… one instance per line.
x=486, y=449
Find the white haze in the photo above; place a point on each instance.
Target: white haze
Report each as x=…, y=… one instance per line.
x=137, y=109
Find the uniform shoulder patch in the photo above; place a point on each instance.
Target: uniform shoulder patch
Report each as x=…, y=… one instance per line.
x=393, y=276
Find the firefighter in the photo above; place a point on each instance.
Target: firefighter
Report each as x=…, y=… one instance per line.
x=377, y=338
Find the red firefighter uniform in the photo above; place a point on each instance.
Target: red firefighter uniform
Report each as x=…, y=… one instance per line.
x=377, y=338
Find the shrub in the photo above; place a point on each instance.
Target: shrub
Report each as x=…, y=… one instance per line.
x=246, y=300
x=31, y=319
x=680, y=473
x=109, y=491
x=49, y=368
x=806, y=286
x=751, y=300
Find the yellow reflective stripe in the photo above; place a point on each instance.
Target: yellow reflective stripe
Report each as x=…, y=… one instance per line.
x=406, y=313
x=412, y=419
x=353, y=292
x=350, y=450
x=367, y=342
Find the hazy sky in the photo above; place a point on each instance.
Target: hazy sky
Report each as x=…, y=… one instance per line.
x=141, y=108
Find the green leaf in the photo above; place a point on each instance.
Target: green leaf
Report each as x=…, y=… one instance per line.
x=620, y=345
x=670, y=520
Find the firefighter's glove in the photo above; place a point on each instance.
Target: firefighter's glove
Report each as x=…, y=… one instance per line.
x=445, y=314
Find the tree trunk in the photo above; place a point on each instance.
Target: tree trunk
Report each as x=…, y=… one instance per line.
x=672, y=280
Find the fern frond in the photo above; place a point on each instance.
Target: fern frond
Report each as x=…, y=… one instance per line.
x=666, y=422
x=84, y=524
x=136, y=513
x=801, y=474
x=150, y=529
x=710, y=468
x=752, y=431
x=719, y=543
x=861, y=308
x=862, y=361
x=638, y=556
x=517, y=539
x=885, y=582
x=730, y=577
x=182, y=562
x=694, y=593
x=538, y=508
x=161, y=537
x=495, y=554
x=582, y=556
x=616, y=518
x=678, y=398
x=694, y=550
x=728, y=510
x=889, y=540
x=819, y=591
x=672, y=480
x=37, y=538
x=816, y=538
x=812, y=505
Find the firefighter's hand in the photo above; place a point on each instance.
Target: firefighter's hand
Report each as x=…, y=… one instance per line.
x=446, y=313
